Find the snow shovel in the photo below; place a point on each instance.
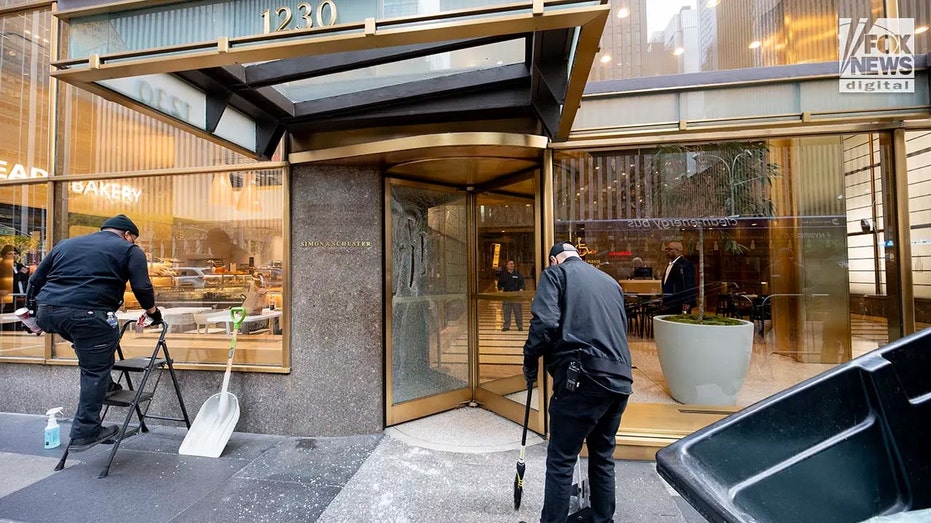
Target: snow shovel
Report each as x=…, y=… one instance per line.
x=217, y=417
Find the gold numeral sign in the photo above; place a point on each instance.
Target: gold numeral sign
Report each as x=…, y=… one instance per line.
x=306, y=17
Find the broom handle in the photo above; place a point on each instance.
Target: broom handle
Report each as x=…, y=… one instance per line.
x=237, y=314
x=523, y=438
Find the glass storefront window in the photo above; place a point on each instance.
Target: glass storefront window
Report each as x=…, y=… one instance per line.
x=23, y=224
x=777, y=224
x=213, y=241
x=98, y=136
x=653, y=38
x=918, y=151
x=24, y=108
x=24, y=113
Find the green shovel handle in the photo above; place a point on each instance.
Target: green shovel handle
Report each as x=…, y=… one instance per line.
x=238, y=314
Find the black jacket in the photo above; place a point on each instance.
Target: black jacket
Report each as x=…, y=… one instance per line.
x=680, y=286
x=510, y=281
x=578, y=313
x=91, y=272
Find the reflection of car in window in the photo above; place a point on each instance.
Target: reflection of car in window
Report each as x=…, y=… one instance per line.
x=197, y=277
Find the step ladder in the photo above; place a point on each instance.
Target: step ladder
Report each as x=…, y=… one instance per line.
x=137, y=398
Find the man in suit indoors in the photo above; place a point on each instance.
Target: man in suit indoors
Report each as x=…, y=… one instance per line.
x=678, y=281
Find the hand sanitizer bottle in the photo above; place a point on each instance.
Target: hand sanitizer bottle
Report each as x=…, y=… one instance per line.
x=52, y=430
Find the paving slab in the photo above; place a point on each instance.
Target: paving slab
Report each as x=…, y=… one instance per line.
x=142, y=486
x=20, y=471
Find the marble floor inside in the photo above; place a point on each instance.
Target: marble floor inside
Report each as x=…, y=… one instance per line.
x=770, y=370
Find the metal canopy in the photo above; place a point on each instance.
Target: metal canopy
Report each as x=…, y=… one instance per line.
x=517, y=65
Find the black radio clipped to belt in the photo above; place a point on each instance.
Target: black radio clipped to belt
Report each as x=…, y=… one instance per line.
x=573, y=375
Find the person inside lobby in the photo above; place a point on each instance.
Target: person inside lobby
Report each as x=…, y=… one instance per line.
x=678, y=281
x=510, y=280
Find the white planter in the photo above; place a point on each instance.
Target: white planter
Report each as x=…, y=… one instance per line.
x=703, y=364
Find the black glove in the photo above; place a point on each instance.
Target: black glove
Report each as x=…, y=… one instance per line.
x=531, y=368
x=154, y=318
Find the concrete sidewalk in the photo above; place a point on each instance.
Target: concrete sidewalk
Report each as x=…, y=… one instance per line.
x=456, y=466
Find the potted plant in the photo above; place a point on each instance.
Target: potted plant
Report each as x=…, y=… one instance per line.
x=705, y=358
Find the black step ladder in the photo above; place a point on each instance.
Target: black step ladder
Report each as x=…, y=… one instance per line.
x=137, y=400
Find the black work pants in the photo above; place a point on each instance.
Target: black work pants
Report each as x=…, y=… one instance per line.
x=94, y=342
x=592, y=416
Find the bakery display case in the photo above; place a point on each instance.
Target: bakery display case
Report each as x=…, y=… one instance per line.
x=194, y=287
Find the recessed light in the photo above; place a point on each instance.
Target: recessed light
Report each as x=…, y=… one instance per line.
x=605, y=58
x=921, y=29
x=623, y=12
x=678, y=51
x=754, y=44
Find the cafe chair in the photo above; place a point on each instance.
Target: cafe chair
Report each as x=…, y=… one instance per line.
x=200, y=318
x=726, y=306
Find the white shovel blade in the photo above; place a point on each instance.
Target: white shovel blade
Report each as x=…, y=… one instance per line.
x=212, y=427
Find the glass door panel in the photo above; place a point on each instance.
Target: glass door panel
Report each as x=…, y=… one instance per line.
x=506, y=270
x=428, y=325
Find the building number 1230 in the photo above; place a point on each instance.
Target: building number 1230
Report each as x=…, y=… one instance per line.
x=306, y=16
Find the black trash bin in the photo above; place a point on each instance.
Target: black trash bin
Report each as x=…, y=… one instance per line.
x=849, y=444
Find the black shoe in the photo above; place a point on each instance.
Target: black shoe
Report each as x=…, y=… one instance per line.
x=106, y=434
x=505, y=329
x=113, y=388
x=520, y=328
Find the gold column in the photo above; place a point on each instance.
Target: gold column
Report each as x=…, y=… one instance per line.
x=904, y=300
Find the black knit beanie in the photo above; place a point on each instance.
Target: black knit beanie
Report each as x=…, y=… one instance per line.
x=121, y=222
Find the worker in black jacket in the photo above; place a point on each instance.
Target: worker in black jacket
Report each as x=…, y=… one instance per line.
x=509, y=280
x=579, y=327
x=78, y=287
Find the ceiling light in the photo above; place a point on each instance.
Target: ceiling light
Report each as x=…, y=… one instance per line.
x=623, y=12
x=920, y=29
x=711, y=3
x=221, y=190
x=248, y=200
x=754, y=44
x=605, y=58
x=678, y=51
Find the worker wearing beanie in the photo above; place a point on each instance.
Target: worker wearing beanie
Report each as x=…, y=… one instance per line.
x=75, y=287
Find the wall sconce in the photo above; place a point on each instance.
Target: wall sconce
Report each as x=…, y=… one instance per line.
x=221, y=190
x=249, y=195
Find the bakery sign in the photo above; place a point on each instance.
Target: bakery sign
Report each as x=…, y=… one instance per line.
x=107, y=190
